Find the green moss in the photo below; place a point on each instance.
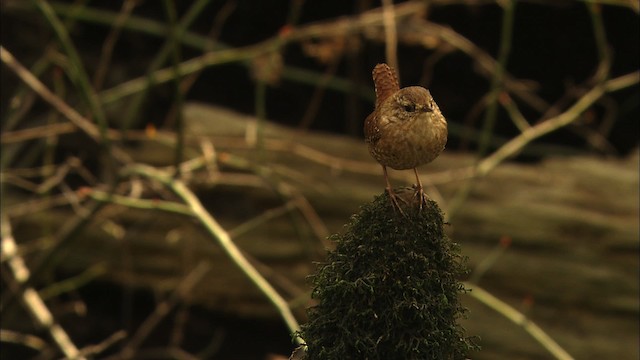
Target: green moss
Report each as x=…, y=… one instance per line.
x=390, y=289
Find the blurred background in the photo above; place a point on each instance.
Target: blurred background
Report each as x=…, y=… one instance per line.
x=119, y=118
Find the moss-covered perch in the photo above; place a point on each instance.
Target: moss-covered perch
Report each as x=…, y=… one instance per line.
x=390, y=288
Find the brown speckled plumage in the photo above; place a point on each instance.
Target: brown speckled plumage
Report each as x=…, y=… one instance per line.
x=406, y=129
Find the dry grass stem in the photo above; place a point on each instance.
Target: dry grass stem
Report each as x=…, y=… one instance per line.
x=519, y=319
x=163, y=308
x=36, y=85
x=32, y=301
x=46, y=94
x=223, y=239
x=26, y=340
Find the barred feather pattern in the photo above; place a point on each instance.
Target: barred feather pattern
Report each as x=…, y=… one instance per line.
x=386, y=82
x=406, y=129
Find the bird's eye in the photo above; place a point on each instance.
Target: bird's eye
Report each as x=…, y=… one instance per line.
x=409, y=107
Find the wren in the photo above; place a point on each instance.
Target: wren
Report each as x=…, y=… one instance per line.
x=405, y=130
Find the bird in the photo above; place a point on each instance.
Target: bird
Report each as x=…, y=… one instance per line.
x=405, y=130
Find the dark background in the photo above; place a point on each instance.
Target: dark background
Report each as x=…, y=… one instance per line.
x=553, y=45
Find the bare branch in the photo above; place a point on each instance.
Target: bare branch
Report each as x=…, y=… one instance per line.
x=30, y=298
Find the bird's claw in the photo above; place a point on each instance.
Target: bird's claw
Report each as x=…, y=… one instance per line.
x=394, y=201
x=422, y=200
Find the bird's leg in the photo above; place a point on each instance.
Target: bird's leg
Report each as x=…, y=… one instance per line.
x=392, y=195
x=419, y=190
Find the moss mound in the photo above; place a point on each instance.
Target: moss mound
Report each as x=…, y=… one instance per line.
x=390, y=288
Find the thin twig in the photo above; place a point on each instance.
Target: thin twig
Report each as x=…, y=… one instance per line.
x=286, y=191
x=238, y=231
x=497, y=80
x=517, y=143
x=172, y=42
x=318, y=94
x=163, y=308
x=36, y=85
x=73, y=283
x=490, y=260
x=169, y=206
x=176, y=55
x=514, y=113
x=62, y=237
x=11, y=137
x=96, y=349
x=219, y=20
x=600, y=37
x=30, y=297
x=110, y=43
x=76, y=71
x=419, y=31
x=26, y=340
x=334, y=28
x=30, y=207
x=223, y=239
x=491, y=112
x=261, y=219
x=390, y=35
x=621, y=82
x=518, y=318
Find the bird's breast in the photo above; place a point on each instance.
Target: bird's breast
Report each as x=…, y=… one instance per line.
x=408, y=144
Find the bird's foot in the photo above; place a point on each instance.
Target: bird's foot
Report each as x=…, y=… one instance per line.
x=422, y=197
x=394, y=201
